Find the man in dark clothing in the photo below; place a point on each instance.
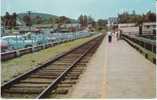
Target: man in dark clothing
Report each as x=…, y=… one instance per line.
x=109, y=37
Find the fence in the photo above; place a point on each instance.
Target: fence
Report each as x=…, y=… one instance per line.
x=143, y=45
x=19, y=52
x=16, y=53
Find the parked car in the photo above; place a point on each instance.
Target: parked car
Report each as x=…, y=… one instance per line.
x=52, y=39
x=38, y=38
x=17, y=42
x=4, y=46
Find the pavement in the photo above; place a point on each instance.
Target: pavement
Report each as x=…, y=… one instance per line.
x=91, y=83
x=129, y=74
x=117, y=70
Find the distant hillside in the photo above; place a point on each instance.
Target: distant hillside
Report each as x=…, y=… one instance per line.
x=33, y=15
x=42, y=15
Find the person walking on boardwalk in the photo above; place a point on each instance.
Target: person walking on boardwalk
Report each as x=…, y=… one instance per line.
x=109, y=36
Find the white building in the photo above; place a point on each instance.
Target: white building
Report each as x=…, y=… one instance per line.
x=76, y=25
x=112, y=21
x=132, y=28
x=128, y=28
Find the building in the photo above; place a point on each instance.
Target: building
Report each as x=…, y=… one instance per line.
x=128, y=28
x=112, y=21
x=132, y=28
x=71, y=27
x=149, y=28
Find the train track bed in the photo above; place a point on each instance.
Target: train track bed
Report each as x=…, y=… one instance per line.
x=32, y=60
x=67, y=84
x=54, y=78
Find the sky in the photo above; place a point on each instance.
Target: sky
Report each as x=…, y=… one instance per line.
x=74, y=8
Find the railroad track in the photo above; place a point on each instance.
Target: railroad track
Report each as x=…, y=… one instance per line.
x=55, y=77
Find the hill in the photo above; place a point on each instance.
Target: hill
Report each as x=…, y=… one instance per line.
x=45, y=17
x=33, y=15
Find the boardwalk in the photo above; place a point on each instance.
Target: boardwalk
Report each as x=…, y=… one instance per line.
x=119, y=72
x=129, y=74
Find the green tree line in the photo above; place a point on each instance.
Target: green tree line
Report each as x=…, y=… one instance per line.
x=134, y=18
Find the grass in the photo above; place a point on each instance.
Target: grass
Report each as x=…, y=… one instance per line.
x=14, y=67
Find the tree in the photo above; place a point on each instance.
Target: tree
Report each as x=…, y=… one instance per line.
x=133, y=13
x=2, y=20
x=90, y=19
x=51, y=20
x=85, y=20
x=124, y=17
x=38, y=20
x=63, y=19
x=133, y=18
x=68, y=21
x=27, y=20
x=139, y=23
x=13, y=22
x=9, y=21
x=81, y=19
x=151, y=16
x=6, y=19
x=93, y=24
x=101, y=24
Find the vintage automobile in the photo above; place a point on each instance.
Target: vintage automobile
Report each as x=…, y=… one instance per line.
x=38, y=38
x=4, y=45
x=17, y=42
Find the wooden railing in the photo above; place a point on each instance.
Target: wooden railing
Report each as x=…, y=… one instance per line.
x=143, y=45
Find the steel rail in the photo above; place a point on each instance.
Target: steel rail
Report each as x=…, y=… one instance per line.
x=17, y=79
x=48, y=90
